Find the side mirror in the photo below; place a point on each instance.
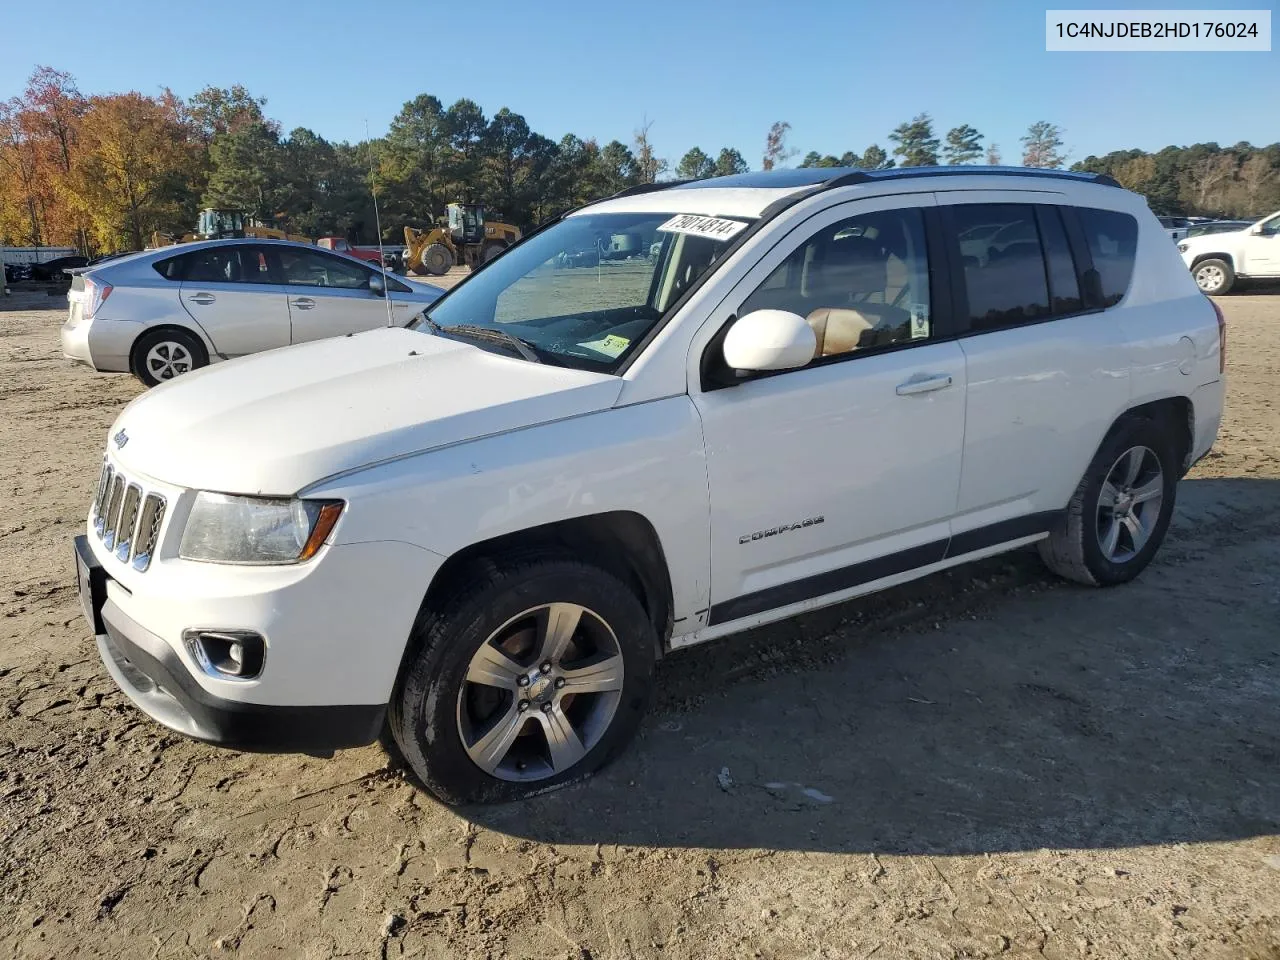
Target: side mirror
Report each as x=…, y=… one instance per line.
x=769, y=340
x=377, y=285
x=1256, y=231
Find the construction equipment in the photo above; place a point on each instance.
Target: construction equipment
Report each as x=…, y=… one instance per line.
x=221, y=224
x=466, y=238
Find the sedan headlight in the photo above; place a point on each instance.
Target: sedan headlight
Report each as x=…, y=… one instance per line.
x=227, y=529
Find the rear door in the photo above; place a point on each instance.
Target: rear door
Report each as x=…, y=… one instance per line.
x=229, y=290
x=328, y=295
x=1046, y=368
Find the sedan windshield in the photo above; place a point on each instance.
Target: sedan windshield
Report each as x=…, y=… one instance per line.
x=585, y=291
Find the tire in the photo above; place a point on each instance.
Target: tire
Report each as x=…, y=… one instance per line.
x=436, y=259
x=161, y=355
x=1103, y=545
x=1214, y=277
x=491, y=250
x=436, y=710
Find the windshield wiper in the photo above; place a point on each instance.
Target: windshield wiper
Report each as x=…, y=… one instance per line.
x=488, y=335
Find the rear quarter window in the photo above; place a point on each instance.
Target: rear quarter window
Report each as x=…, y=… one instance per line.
x=170, y=268
x=1113, y=241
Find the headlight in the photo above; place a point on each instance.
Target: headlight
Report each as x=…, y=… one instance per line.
x=1182, y=248
x=226, y=529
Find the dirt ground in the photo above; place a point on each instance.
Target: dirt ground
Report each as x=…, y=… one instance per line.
x=986, y=763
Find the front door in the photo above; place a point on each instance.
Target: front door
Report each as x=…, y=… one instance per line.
x=1262, y=250
x=329, y=296
x=228, y=290
x=843, y=472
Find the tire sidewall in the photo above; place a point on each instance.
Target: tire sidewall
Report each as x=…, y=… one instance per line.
x=425, y=719
x=145, y=343
x=1135, y=433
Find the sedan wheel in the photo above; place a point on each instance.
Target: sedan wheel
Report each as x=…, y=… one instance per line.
x=167, y=360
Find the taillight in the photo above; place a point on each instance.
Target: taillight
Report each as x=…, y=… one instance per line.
x=95, y=293
x=1222, y=336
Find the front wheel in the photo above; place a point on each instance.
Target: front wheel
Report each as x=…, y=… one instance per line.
x=1214, y=277
x=436, y=259
x=532, y=678
x=1121, y=509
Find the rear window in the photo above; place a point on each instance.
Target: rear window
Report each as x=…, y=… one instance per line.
x=1113, y=240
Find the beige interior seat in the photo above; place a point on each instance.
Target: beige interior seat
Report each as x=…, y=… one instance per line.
x=850, y=272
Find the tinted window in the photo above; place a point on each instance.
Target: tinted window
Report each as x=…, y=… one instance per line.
x=310, y=269
x=1271, y=227
x=228, y=264
x=860, y=283
x=1004, y=267
x=1113, y=239
x=1064, y=280
x=170, y=268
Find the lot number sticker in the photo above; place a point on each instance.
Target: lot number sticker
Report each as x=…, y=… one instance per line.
x=713, y=227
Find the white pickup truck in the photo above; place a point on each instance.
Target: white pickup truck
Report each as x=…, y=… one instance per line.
x=481, y=532
x=1218, y=260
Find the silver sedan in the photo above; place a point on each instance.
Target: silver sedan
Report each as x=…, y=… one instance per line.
x=160, y=313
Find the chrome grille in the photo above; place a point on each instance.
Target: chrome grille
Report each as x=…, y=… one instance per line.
x=127, y=519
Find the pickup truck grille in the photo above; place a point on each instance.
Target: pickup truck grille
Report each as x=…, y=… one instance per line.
x=126, y=518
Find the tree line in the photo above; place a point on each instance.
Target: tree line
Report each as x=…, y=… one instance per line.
x=103, y=172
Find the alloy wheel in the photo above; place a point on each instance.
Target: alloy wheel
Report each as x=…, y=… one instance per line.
x=540, y=692
x=1129, y=504
x=167, y=359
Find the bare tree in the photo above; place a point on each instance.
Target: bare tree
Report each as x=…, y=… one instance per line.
x=1208, y=174
x=648, y=166
x=776, y=152
x=1256, y=174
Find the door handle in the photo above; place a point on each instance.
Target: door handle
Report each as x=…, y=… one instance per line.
x=924, y=384
x=202, y=298
x=302, y=303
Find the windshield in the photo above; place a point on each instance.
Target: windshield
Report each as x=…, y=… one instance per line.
x=585, y=291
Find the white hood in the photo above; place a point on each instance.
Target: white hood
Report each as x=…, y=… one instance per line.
x=278, y=421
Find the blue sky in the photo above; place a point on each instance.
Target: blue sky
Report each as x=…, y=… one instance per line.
x=707, y=74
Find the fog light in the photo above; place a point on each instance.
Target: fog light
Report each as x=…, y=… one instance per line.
x=227, y=654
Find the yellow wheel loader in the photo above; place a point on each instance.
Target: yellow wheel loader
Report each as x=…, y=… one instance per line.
x=221, y=224
x=467, y=238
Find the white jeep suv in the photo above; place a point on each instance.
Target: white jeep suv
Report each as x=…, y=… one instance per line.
x=482, y=531
x=1218, y=260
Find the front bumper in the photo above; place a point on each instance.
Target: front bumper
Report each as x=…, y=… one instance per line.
x=156, y=680
x=298, y=705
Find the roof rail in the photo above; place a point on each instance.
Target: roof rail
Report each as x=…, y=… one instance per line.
x=647, y=188
x=903, y=173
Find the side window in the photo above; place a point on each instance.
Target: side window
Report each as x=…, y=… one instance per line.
x=213, y=265
x=306, y=268
x=170, y=268
x=255, y=265
x=1271, y=227
x=395, y=286
x=860, y=283
x=1003, y=264
x=1112, y=239
x=1064, y=278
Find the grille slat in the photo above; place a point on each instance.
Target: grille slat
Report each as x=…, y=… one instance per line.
x=100, y=506
x=148, y=530
x=114, y=503
x=128, y=521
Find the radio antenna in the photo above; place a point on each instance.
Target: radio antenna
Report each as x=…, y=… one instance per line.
x=377, y=221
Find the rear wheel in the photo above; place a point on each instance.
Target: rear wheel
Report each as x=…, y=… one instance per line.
x=1121, y=509
x=164, y=354
x=436, y=259
x=532, y=678
x=1214, y=277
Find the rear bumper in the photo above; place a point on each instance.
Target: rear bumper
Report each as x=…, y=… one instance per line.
x=155, y=678
x=102, y=344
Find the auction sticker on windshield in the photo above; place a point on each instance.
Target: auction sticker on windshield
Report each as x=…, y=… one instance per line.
x=713, y=227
